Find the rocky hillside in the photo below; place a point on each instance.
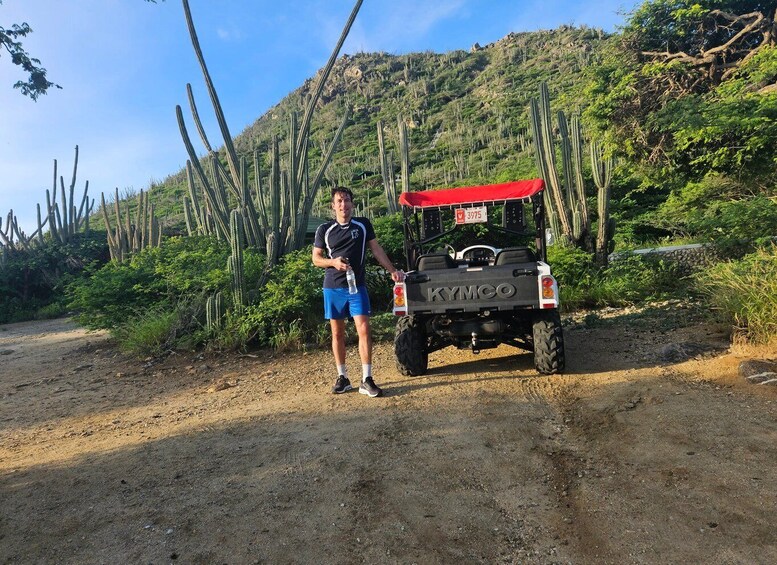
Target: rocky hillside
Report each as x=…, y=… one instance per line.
x=466, y=112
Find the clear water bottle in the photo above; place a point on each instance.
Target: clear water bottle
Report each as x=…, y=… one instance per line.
x=350, y=276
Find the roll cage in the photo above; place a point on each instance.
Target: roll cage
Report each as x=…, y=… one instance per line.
x=422, y=213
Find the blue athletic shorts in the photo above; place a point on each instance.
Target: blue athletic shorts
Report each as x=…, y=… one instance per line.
x=338, y=304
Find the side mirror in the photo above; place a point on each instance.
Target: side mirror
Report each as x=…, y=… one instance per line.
x=432, y=223
x=512, y=217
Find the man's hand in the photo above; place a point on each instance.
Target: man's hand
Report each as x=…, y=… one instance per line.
x=398, y=276
x=340, y=263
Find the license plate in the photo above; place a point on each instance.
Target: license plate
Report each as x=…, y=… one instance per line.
x=471, y=215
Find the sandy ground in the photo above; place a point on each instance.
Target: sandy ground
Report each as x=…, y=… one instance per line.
x=627, y=458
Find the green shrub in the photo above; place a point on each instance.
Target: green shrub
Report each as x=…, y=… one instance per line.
x=290, y=303
x=33, y=280
x=637, y=278
x=390, y=235
x=290, y=338
x=161, y=328
x=745, y=292
x=571, y=265
x=718, y=209
x=148, y=334
x=627, y=280
x=113, y=294
x=289, y=310
x=574, y=269
x=182, y=268
x=730, y=223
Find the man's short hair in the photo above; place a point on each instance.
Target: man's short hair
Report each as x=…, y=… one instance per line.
x=343, y=190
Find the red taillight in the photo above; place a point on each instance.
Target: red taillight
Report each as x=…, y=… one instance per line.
x=548, y=290
x=399, y=296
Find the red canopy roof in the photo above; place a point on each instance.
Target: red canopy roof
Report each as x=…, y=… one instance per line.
x=516, y=190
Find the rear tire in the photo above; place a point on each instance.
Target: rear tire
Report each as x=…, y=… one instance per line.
x=548, y=343
x=410, y=346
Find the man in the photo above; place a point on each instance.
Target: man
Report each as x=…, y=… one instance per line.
x=345, y=240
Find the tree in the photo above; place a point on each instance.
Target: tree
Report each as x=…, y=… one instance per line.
x=36, y=83
x=688, y=86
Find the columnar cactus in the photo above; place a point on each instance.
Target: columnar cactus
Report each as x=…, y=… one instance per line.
x=545, y=155
x=235, y=265
x=214, y=312
x=404, y=153
x=601, y=168
x=62, y=219
x=129, y=238
x=387, y=173
x=566, y=205
x=292, y=199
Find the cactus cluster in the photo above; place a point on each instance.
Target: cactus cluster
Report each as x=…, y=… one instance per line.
x=565, y=199
x=127, y=237
x=387, y=164
x=63, y=218
x=214, y=312
x=276, y=218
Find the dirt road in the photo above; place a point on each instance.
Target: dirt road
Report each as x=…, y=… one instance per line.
x=630, y=457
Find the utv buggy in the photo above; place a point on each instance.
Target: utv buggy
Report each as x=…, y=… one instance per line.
x=485, y=292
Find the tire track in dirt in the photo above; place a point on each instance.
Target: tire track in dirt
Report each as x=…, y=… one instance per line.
x=623, y=459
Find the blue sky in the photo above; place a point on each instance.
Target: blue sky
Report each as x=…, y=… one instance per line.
x=124, y=65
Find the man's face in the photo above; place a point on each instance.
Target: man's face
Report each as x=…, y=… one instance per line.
x=343, y=207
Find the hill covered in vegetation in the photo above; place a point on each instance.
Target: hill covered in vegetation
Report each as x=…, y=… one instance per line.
x=683, y=100
x=466, y=112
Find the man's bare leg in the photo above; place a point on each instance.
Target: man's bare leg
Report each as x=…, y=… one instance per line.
x=368, y=386
x=362, y=324
x=338, y=340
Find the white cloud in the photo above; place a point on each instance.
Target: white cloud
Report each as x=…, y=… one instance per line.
x=231, y=34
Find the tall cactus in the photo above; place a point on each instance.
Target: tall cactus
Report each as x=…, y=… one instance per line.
x=127, y=238
x=387, y=173
x=404, y=153
x=545, y=156
x=228, y=189
x=566, y=204
x=214, y=312
x=235, y=265
x=601, y=168
x=63, y=219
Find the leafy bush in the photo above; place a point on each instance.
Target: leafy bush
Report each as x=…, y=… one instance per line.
x=293, y=295
x=161, y=328
x=574, y=270
x=745, y=292
x=147, y=334
x=183, y=267
x=388, y=230
x=637, y=278
x=718, y=209
x=32, y=283
x=732, y=222
x=627, y=280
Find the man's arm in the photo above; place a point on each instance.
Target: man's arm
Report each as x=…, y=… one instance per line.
x=385, y=262
x=320, y=261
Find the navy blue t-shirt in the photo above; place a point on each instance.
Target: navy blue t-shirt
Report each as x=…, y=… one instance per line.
x=349, y=240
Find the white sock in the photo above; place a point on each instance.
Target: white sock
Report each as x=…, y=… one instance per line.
x=341, y=370
x=366, y=372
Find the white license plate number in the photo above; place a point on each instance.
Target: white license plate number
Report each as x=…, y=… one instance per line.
x=471, y=215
